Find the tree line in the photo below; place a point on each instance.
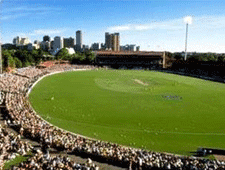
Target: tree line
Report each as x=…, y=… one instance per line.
x=207, y=64
x=18, y=58
x=86, y=57
x=201, y=57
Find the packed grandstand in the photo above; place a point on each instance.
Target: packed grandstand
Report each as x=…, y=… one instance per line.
x=14, y=88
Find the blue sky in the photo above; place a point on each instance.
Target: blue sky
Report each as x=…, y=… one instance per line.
x=153, y=24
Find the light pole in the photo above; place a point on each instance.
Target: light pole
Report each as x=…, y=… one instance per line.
x=187, y=20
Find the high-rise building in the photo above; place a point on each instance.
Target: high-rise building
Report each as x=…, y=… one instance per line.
x=21, y=41
x=58, y=43
x=16, y=40
x=103, y=47
x=24, y=41
x=30, y=47
x=95, y=46
x=68, y=42
x=131, y=47
x=45, y=45
x=138, y=48
x=46, y=38
x=107, y=40
x=116, y=42
x=52, y=44
x=128, y=47
x=78, y=40
x=112, y=41
x=36, y=44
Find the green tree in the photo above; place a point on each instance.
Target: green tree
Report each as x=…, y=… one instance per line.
x=7, y=58
x=18, y=63
x=192, y=58
x=211, y=57
x=34, y=53
x=203, y=57
x=40, y=53
x=89, y=56
x=221, y=58
x=26, y=64
x=177, y=56
x=63, y=54
x=11, y=62
x=37, y=56
x=81, y=58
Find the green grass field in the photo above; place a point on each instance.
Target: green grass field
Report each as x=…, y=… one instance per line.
x=130, y=107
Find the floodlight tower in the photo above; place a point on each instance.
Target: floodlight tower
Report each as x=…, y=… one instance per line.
x=187, y=20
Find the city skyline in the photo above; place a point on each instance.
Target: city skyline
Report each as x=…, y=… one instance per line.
x=153, y=25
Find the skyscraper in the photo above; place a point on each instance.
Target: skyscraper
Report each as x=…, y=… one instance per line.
x=58, y=43
x=16, y=40
x=107, y=40
x=138, y=48
x=36, y=44
x=68, y=42
x=112, y=41
x=21, y=41
x=52, y=44
x=116, y=42
x=46, y=38
x=24, y=41
x=45, y=45
x=95, y=46
x=79, y=39
x=128, y=47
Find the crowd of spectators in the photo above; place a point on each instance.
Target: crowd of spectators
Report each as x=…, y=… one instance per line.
x=29, y=124
x=11, y=146
x=1, y=97
x=43, y=162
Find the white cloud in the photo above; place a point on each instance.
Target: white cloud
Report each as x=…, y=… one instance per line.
x=142, y=27
x=48, y=31
x=209, y=22
x=206, y=33
x=120, y=28
x=17, y=12
x=206, y=22
x=28, y=8
x=169, y=25
x=13, y=16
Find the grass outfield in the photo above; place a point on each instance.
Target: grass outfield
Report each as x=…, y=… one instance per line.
x=131, y=107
